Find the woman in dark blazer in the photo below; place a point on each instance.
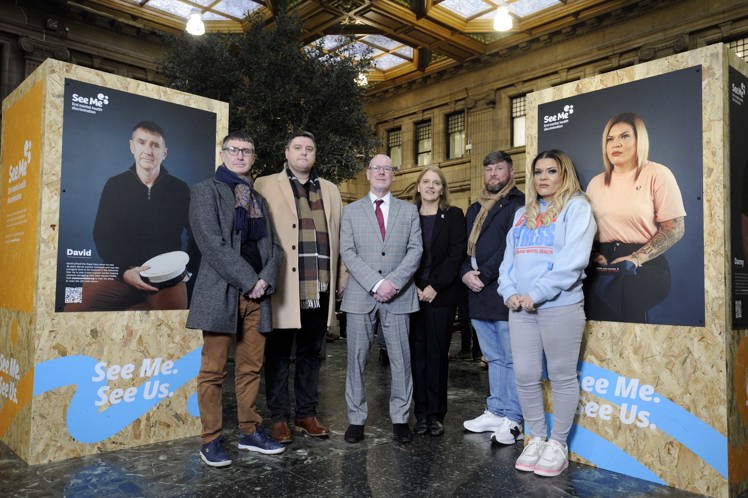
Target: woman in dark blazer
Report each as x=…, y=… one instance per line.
x=438, y=288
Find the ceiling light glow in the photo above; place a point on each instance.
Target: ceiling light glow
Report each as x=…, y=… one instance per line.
x=195, y=25
x=502, y=21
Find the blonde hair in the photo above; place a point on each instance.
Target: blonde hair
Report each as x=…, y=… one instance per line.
x=443, y=197
x=642, y=141
x=569, y=187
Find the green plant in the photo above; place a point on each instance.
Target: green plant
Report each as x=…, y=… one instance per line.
x=274, y=85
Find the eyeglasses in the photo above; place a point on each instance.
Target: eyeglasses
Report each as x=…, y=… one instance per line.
x=379, y=169
x=234, y=151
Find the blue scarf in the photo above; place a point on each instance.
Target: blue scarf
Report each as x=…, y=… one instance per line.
x=248, y=216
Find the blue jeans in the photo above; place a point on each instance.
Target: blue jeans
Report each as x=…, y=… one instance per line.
x=496, y=347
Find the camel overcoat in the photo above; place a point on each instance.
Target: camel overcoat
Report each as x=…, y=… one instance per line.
x=276, y=189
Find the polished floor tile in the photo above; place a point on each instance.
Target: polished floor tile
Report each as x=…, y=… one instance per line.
x=457, y=464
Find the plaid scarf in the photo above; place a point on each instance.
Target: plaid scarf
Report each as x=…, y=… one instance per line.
x=248, y=216
x=314, y=243
x=487, y=201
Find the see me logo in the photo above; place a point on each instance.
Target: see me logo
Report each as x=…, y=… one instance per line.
x=89, y=104
x=738, y=93
x=18, y=171
x=558, y=120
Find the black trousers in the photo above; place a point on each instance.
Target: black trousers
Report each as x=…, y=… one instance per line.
x=278, y=349
x=628, y=296
x=430, y=335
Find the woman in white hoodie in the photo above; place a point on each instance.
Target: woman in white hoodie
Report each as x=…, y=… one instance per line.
x=540, y=280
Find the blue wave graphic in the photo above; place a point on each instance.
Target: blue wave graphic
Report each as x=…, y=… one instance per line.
x=192, y=406
x=86, y=422
x=695, y=434
x=606, y=455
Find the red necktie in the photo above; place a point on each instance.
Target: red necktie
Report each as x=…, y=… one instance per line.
x=379, y=215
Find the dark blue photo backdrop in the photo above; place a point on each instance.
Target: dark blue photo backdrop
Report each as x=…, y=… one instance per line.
x=671, y=107
x=97, y=125
x=738, y=106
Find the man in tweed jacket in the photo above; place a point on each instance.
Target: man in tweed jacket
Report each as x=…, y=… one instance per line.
x=241, y=256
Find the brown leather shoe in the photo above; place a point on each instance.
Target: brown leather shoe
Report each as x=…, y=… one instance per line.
x=281, y=432
x=311, y=427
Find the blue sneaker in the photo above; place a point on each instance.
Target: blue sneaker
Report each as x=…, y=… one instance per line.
x=213, y=453
x=261, y=442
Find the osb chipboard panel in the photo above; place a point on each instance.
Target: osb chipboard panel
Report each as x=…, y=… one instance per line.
x=677, y=372
x=16, y=380
x=737, y=365
x=19, y=235
x=143, y=397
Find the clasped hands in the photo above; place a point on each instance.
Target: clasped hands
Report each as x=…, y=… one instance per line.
x=472, y=281
x=258, y=290
x=428, y=294
x=385, y=292
x=517, y=302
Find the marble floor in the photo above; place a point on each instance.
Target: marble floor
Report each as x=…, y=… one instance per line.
x=457, y=464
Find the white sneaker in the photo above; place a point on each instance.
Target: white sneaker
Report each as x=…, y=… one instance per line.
x=530, y=455
x=553, y=460
x=509, y=433
x=487, y=422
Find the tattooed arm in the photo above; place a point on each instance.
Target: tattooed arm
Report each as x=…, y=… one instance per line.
x=668, y=233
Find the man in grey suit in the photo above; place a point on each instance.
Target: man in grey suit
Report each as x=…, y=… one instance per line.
x=241, y=257
x=380, y=244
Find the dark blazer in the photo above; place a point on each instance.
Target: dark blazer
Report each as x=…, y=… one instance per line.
x=487, y=304
x=448, y=246
x=224, y=274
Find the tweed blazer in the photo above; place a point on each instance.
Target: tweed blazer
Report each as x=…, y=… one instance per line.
x=277, y=191
x=370, y=259
x=224, y=274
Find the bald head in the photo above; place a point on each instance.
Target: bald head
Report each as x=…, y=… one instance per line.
x=380, y=174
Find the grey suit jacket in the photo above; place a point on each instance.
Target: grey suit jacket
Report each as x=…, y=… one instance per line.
x=369, y=259
x=224, y=274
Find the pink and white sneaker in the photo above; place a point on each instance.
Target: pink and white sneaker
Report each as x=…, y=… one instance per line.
x=530, y=455
x=553, y=460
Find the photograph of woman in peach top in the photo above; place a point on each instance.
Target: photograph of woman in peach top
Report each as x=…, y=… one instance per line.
x=640, y=215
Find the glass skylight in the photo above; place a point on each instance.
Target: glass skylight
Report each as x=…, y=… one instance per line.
x=524, y=8
x=381, y=42
x=405, y=51
x=388, y=62
x=466, y=8
x=221, y=11
x=487, y=9
x=212, y=16
x=385, y=52
x=236, y=8
x=172, y=7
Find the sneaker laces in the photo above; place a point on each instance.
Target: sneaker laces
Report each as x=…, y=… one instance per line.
x=508, y=424
x=556, y=447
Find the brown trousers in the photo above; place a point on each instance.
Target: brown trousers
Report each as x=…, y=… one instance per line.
x=248, y=357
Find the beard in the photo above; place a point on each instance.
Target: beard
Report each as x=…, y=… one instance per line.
x=495, y=189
